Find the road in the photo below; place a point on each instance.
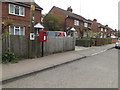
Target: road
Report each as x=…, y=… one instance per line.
x=97, y=71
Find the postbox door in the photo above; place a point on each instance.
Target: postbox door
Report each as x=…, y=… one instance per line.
x=43, y=36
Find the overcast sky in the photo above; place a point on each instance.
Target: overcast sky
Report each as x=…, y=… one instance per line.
x=105, y=11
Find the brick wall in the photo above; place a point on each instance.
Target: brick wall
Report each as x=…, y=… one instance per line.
x=94, y=26
x=69, y=21
x=55, y=11
x=20, y=20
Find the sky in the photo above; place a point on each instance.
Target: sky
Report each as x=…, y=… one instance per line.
x=105, y=11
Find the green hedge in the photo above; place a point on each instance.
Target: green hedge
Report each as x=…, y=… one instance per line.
x=84, y=38
x=87, y=42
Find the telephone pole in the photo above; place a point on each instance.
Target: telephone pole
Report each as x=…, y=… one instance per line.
x=32, y=31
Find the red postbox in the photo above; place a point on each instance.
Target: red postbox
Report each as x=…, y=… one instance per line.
x=43, y=36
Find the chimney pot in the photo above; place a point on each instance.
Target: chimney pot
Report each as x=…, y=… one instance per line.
x=69, y=9
x=106, y=25
x=95, y=20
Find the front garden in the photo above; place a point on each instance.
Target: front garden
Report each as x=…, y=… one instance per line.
x=88, y=42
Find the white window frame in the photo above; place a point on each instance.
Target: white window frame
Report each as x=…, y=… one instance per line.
x=101, y=35
x=105, y=30
x=15, y=28
x=76, y=22
x=105, y=36
x=102, y=29
x=13, y=13
x=85, y=24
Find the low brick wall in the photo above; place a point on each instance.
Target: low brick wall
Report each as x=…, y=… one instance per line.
x=114, y=40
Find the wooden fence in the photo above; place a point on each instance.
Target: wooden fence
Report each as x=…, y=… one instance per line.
x=20, y=45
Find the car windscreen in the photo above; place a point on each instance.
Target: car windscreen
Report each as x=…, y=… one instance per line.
x=53, y=34
x=50, y=33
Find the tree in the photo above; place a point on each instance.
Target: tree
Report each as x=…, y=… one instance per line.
x=52, y=22
x=5, y=24
x=5, y=34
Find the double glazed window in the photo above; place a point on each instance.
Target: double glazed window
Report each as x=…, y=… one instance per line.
x=85, y=24
x=76, y=22
x=105, y=30
x=16, y=10
x=102, y=29
x=16, y=30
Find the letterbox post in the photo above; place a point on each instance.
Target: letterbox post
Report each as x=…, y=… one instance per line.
x=42, y=49
x=43, y=38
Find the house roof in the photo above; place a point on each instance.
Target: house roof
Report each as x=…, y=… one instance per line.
x=72, y=15
x=25, y=4
x=100, y=25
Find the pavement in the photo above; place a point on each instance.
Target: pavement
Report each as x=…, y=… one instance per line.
x=30, y=66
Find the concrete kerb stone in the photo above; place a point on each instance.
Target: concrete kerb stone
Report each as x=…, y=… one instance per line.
x=37, y=71
x=46, y=68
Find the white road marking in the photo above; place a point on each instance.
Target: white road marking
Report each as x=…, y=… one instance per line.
x=98, y=52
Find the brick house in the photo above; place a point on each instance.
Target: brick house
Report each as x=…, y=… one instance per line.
x=72, y=21
x=19, y=14
x=106, y=31
x=101, y=31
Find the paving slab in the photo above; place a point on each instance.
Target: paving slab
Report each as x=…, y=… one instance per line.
x=28, y=66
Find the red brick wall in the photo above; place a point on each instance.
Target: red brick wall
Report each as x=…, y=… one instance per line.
x=69, y=21
x=55, y=11
x=94, y=26
x=20, y=20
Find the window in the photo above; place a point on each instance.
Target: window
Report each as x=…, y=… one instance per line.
x=16, y=30
x=22, y=31
x=105, y=36
x=105, y=30
x=85, y=24
x=11, y=30
x=101, y=29
x=76, y=22
x=21, y=10
x=16, y=10
x=101, y=35
x=11, y=8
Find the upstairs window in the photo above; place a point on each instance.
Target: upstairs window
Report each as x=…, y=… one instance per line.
x=85, y=24
x=76, y=22
x=102, y=29
x=16, y=10
x=105, y=30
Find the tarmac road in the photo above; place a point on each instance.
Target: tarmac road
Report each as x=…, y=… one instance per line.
x=97, y=71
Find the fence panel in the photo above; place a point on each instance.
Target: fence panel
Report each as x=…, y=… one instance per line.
x=20, y=45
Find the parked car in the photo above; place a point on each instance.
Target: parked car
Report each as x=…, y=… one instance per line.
x=118, y=39
x=117, y=44
x=56, y=33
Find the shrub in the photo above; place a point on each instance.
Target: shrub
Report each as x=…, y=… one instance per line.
x=84, y=38
x=9, y=57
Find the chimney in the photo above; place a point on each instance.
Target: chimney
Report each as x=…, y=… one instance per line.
x=69, y=9
x=106, y=25
x=95, y=20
